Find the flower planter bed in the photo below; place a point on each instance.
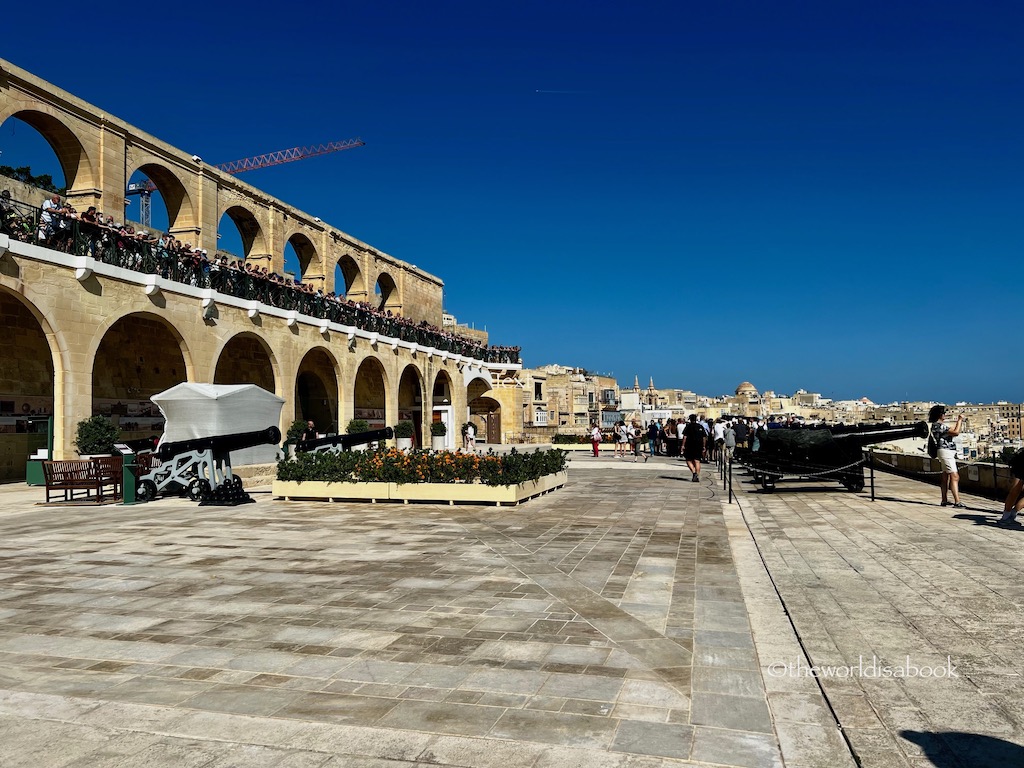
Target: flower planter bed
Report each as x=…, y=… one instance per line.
x=292, y=490
x=465, y=493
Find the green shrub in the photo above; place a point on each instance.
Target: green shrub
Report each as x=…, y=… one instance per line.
x=96, y=435
x=421, y=466
x=357, y=425
x=560, y=439
x=438, y=429
x=404, y=429
x=295, y=431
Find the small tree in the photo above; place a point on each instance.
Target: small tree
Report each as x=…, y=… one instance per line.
x=438, y=429
x=295, y=431
x=357, y=425
x=404, y=429
x=96, y=435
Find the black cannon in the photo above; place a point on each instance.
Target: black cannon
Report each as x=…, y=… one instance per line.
x=339, y=443
x=202, y=467
x=820, y=452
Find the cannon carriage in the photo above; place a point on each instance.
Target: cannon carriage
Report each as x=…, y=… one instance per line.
x=820, y=453
x=201, y=467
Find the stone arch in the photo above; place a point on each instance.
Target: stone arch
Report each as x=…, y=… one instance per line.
x=181, y=212
x=305, y=251
x=254, y=241
x=410, y=400
x=316, y=389
x=27, y=383
x=442, y=388
x=246, y=358
x=370, y=393
x=354, y=282
x=477, y=386
x=442, y=397
x=485, y=413
x=63, y=140
x=138, y=355
x=386, y=293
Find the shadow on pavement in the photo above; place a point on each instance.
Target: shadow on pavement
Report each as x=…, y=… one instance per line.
x=991, y=523
x=955, y=749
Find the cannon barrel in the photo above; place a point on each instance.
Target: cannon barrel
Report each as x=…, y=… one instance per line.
x=221, y=443
x=345, y=442
x=871, y=434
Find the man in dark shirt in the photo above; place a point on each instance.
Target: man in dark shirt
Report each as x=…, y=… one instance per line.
x=742, y=432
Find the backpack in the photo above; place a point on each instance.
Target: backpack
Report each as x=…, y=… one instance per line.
x=933, y=444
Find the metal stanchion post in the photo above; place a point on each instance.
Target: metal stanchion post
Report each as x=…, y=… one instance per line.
x=871, y=463
x=730, y=481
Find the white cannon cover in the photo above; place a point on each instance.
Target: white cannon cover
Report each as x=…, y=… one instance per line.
x=204, y=410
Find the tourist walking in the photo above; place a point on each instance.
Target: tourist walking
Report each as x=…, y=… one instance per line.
x=668, y=436
x=693, y=446
x=636, y=440
x=595, y=438
x=621, y=439
x=742, y=432
x=652, y=438
x=942, y=434
x=1015, y=498
x=728, y=441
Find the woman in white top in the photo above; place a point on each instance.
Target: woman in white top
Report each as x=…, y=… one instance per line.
x=943, y=434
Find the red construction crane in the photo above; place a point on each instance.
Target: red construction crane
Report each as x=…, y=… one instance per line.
x=287, y=156
x=145, y=188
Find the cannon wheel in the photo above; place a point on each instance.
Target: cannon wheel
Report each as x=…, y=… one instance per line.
x=855, y=484
x=198, y=488
x=146, y=491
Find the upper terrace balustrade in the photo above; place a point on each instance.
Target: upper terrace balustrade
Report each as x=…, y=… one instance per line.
x=171, y=260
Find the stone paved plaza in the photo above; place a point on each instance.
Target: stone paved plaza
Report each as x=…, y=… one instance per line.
x=632, y=619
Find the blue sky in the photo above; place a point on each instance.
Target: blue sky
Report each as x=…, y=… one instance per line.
x=817, y=195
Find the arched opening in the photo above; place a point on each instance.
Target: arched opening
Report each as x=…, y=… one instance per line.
x=138, y=357
x=48, y=155
x=26, y=387
x=443, y=411
x=239, y=235
x=246, y=359
x=299, y=255
x=348, y=280
x=169, y=204
x=410, y=401
x=485, y=413
x=386, y=293
x=370, y=393
x=316, y=391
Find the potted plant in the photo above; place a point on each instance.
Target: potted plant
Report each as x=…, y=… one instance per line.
x=357, y=425
x=96, y=436
x=438, y=430
x=403, y=435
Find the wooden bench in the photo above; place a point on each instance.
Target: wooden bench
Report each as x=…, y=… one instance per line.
x=90, y=476
x=110, y=470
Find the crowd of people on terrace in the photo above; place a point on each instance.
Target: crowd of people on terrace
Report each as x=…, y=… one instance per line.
x=59, y=226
